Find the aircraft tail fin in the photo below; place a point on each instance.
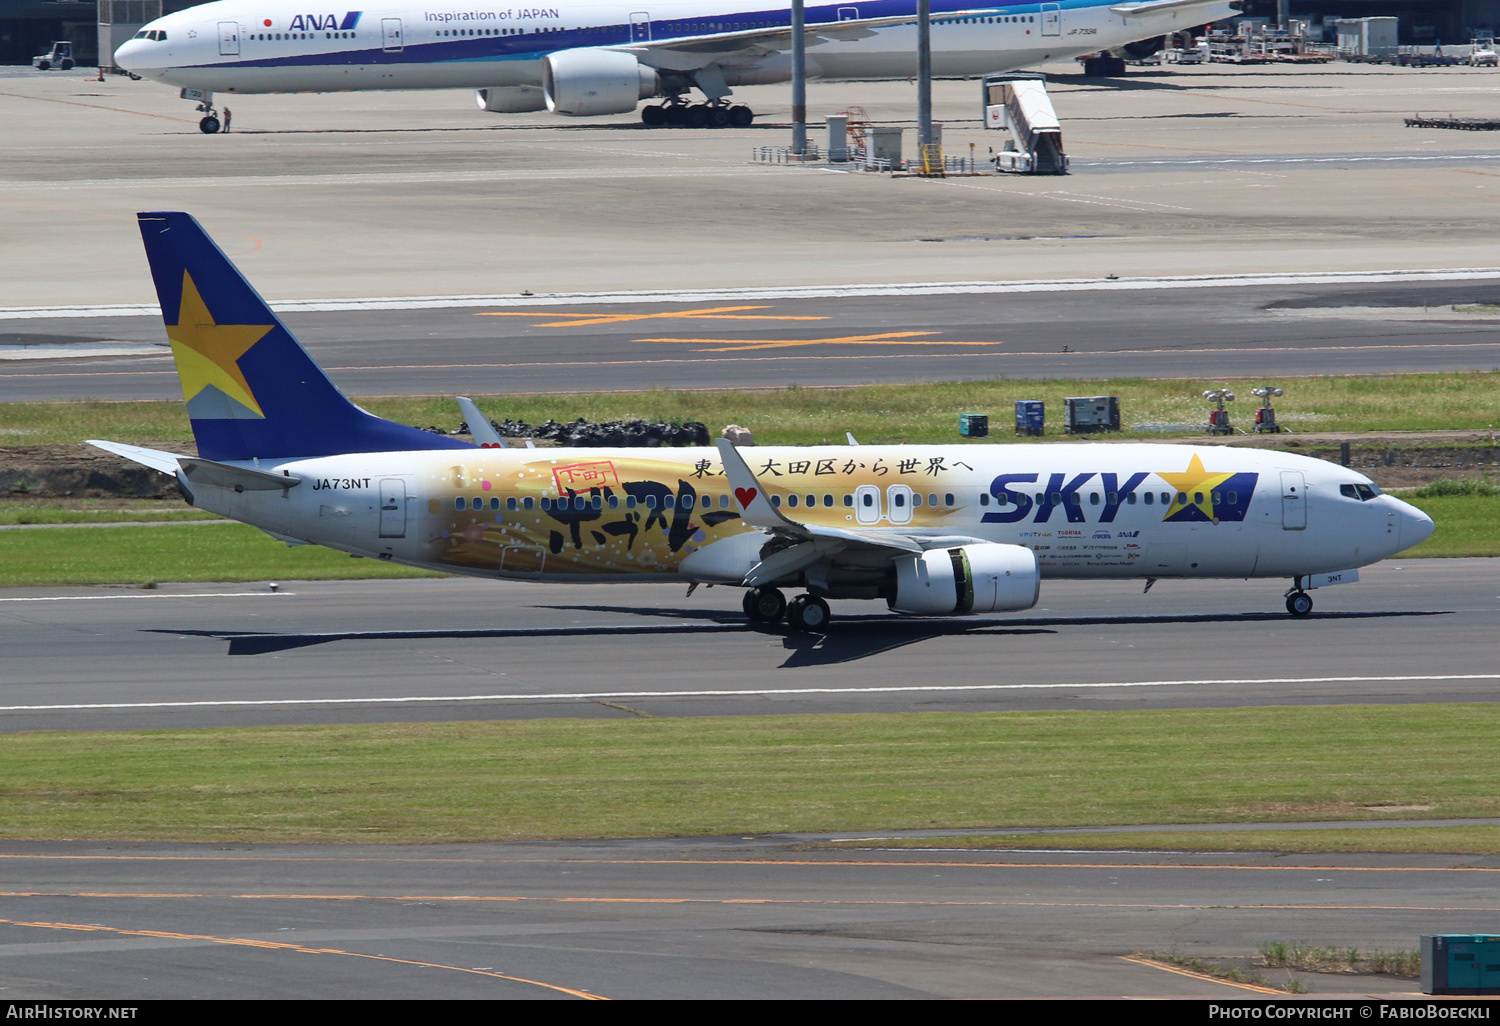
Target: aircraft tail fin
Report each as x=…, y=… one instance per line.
x=251, y=389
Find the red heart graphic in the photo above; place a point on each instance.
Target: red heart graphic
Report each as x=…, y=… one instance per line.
x=746, y=496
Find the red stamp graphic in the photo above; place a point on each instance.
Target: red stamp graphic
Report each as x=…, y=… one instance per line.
x=580, y=477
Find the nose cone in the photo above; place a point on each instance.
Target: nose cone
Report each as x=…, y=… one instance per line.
x=129, y=55
x=1416, y=526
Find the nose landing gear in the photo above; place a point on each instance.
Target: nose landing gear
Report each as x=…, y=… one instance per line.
x=1298, y=602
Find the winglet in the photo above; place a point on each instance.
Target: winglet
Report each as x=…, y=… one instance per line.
x=850, y=435
x=755, y=504
x=484, y=435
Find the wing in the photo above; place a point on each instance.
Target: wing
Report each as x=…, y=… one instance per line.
x=796, y=546
x=689, y=53
x=1154, y=6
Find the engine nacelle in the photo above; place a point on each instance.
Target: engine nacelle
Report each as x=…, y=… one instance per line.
x=588, y=81
x=969, y=579
x=521, y=99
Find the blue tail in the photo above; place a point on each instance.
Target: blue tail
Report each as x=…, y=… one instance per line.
x=251, y=389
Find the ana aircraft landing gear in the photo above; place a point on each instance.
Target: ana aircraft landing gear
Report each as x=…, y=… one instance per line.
x=697, y=115
x=807, y=613
x=1298, y=602
x=209, y=124
x=764, y=605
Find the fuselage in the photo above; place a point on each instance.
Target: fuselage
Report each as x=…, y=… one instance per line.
x=284, y=46
x=1087, y=511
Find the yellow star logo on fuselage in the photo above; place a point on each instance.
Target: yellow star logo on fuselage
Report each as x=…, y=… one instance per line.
x=1191, y=483
x=208, y=353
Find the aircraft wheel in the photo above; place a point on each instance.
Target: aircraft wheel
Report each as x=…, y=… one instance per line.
x=43, y=65
x=718, y=117
x=65, y=65
x=740, y=116
x=653, y=115
x=696, y=116
x=209, y=125
x=1299, y=603
x=764, y=605
x=675, y=114
x=808, y=613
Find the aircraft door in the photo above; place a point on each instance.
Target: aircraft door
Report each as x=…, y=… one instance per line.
x=640, y=27
x=848, y=14
x=1293, y=500
x=229, y=39
x=392, y=507
x=390, y=34
x=898, y=504
x=867, y=504
x=1051, y=19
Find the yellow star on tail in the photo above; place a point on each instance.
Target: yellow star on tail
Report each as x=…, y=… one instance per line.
x=1191, y=481
x=207, y=353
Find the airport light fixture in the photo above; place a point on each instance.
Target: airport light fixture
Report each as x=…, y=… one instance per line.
x=799, y=79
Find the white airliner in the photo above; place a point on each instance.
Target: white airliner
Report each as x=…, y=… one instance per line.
x=931, y=529
x=597, y=58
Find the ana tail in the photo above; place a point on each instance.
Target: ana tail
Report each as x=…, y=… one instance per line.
x=251, y=389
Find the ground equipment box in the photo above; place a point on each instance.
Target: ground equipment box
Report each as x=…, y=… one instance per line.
x=1460, y=964
x=1031, y=417
x=974, y=425
x=1086, y=414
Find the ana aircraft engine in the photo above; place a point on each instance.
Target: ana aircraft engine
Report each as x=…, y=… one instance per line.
x=585, y=82
x=521, y=99
x=970, y=579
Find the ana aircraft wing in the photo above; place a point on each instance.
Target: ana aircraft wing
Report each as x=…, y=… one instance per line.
x=1154, y=6
x=689, y=53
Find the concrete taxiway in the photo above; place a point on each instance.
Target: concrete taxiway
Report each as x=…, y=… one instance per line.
x=377, y=651
x=713, y=918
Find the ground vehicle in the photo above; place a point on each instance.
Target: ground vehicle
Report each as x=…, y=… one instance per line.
x=1483, y=55
x=60, y=57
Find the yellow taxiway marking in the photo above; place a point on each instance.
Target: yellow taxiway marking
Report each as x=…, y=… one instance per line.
x=1154, y=964
x=892, y=338
x=712, y=313
x=605, y=899
x=802, y=863
x=301, y=948
x=99, y=106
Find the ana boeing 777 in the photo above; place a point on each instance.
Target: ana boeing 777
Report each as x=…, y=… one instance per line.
x=590, y=59
x=929, y=529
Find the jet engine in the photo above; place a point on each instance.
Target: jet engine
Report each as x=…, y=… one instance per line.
x=980, y=578
x=519, y=99
x=588, y=81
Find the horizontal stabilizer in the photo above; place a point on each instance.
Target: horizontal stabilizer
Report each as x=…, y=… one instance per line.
x=166, y=462
x=239, y=478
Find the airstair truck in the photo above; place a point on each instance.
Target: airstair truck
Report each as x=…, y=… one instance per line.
x=1018, y=103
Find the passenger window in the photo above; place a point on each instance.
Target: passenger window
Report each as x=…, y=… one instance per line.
x=791, y=500
x=1112, y=498
x=723, y=502
x=494, y=502
x=848, y=499
x=1233, y=497
x=932, y=499
x=546, y=503
x=776, y=501
x=948, y=499
x=614, y=502
x=478, y=503
x=669, y=502
x=598, y=502
x=898, y=500
x=916, y=500
x=1093, y=498
x=1150, y=498
x=1217, y=497
x=1197, y=498
x=1130, y=499
x=869, y=500
x=650, y=502
x=708, y=502
x=527, y=502
x=459, y=503
x=984, y=498
x=828, y=501
x=812, y=500
x=510, y=504
x=1166, y=498
x=630, y=502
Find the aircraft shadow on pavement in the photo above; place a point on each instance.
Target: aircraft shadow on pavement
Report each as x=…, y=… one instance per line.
x=848, y=638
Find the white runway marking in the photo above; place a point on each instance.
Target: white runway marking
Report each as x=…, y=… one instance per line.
x=153, y=594
x=748, y=693
x=795, y=292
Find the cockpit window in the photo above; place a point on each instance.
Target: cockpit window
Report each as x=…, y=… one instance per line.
x=141, y=34
x=1362, y=492
x=161, y=35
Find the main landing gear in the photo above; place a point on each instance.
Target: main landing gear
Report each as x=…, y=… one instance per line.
x=803, y=613
x=1298, y=602
x=677, y=114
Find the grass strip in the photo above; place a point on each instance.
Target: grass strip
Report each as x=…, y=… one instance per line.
x=918, y=412
x=1465, y=840
x=717, y=775
x=1464, y=525
x=141, y=555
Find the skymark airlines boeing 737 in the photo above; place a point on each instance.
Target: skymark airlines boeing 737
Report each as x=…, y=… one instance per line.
x=596, y=58
x=932, y=530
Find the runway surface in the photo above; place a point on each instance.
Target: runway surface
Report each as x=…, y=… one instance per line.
x=194, y=655
x=1229, y=332
x=713, y=918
